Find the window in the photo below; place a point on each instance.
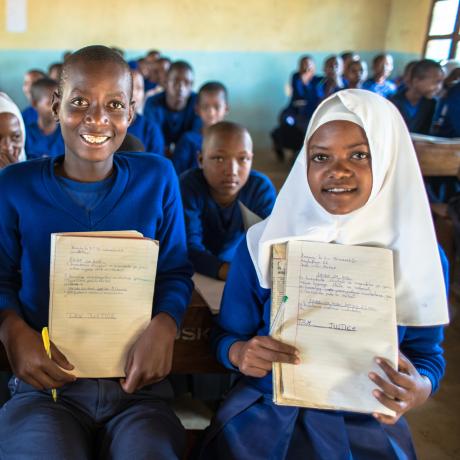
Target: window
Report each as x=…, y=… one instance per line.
x=442, y=41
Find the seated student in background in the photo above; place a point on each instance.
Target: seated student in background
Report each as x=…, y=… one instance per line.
x=12, y=132
x=332, y=80
x=174, y=109
x=345, y=187
x=147, y=131
x=382, y=66
x=55, y=70
x=216, y=195
x=417, y=103
x=160, y=72
x=448, y=124
x=404, y=79
x=29, y=114
x=44, y=135
x=294, y=119
x=90, y=189
x=348, y=57
x=211, y=107
x=355, y=74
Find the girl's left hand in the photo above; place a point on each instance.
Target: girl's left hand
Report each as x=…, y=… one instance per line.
x=408, y=389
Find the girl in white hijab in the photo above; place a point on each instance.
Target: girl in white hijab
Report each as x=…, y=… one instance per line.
x=355, y=181
x=12, y=132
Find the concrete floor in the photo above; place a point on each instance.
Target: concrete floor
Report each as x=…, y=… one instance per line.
x=436, y=425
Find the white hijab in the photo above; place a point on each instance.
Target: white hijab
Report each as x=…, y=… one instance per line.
x=8, y=106
x=396, y=216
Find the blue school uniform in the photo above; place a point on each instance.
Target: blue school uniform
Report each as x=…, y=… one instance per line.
x=250, y=425
x=186, y=152
x=172, y=123
x=39, y=144
x=213, y=232
x=322, y=90
x=449, y=113
x=29, y=115
x=418, y=118
x=142, y=195
x=149, y=133
x=385, y=89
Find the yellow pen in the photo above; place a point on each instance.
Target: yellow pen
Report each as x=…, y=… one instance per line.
x=47, y=344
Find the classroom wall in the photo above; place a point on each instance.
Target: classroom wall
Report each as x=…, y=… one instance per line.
x=251, y=46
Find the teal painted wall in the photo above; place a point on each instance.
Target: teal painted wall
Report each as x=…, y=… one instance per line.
x=255, y=80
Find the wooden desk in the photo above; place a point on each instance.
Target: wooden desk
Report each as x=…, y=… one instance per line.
x=192, y=351
x=438, y=159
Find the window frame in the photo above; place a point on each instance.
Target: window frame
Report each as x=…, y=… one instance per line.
x=454, y=37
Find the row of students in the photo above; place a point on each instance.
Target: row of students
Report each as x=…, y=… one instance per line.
x=345, y=187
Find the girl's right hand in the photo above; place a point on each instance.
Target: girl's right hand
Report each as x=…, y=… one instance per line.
x=27, y=355
x=256, y=356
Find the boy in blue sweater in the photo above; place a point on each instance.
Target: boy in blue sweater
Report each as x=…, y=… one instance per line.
x=148, y=132
x=174, y=109
x=218, y=196
x=43, y=136
x=89, y=189
x=382, y=66
x=29, y=114
x=211, y=107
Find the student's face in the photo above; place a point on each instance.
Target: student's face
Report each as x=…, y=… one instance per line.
x=160, y=71
x=94, y=110
x=339, y=167
x=44, y=105
x=354, y=73
x=431, y=85
x=29, y=79
x=306, y=65
x=333, y=68
x=211, y=107
x=226, y=161
x=138, y=90
x=10, y=136
x=383, y=67
x=178, y=88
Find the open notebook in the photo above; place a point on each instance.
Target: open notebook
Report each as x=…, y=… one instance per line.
x=101, y=296
x=340, y=313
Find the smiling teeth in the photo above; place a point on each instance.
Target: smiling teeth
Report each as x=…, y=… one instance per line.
x=339, y=190
x=94, y=139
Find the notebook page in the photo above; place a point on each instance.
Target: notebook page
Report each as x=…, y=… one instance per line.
x=340, y=314
x=101, y=295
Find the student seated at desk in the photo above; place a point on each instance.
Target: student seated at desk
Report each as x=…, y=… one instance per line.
x=43, y=135
x=448, y=121
x=211, y=107
x=29, y=114
x=382, y=66
x=417, y=103
x=174, y=109
x=147, y=131
x=216, y=196
x=89, y=189
x=160, y=71
x=332, y=80
x=355, y=74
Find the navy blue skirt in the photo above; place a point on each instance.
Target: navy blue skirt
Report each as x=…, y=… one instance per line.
x=249, y=426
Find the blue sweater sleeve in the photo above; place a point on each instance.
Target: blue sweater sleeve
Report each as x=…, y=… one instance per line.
x=204, y=261
x=155, y=142
x=263, y=197
x=422, y=346
x=10, y=250
x=241, y=316
x=185, y=154
x=173, y=285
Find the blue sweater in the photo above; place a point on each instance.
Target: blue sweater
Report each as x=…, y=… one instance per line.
x=29, y=115
x=173, y=124
x=186, y=152
x=149, y=133
x=449, y=113
x=213, y=232
x=144, y=197
x=245, y=313
x=39, y=144
x=385, y=89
